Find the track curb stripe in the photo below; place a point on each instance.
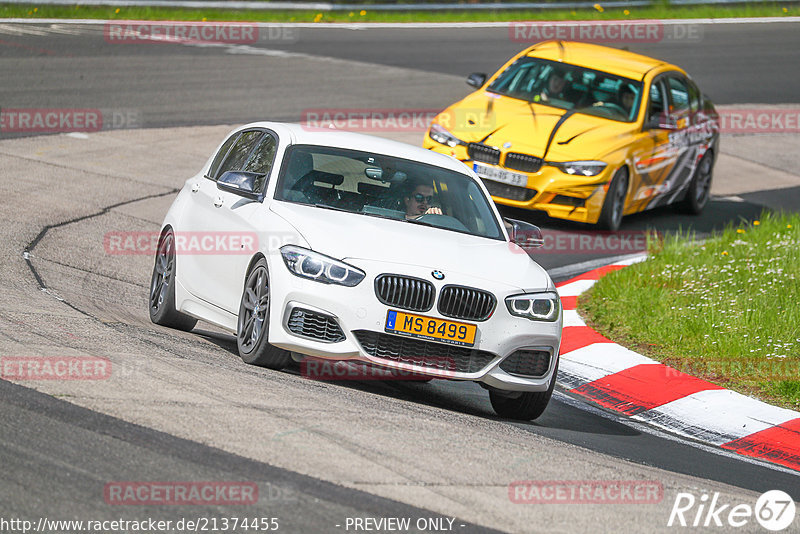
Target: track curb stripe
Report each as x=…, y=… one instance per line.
x=779, y=444
x=628, y=383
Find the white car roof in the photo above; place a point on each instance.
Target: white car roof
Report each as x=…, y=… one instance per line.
x=308, y=135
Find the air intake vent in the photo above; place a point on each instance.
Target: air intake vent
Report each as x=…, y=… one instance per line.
x=511, y=192
x=527, y=363
x=405, y=292
x=423, y=353
x=466, y=303
x=523, y=162
x=314, y=325
x=485, y=153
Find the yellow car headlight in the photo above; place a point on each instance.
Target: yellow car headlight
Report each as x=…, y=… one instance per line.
x=581, y=168
x=441, y=135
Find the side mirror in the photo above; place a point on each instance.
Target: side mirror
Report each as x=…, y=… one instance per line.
x=661, y=122
x=524, y=234
x=476, y=80
x=241, y=183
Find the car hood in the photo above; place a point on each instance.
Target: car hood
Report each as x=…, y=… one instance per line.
x=527, y=127
x=351, y=236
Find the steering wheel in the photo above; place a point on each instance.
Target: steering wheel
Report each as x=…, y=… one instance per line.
x=611, y=106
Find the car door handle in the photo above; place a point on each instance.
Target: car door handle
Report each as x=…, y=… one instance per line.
x=195, y=188
x=218, y=202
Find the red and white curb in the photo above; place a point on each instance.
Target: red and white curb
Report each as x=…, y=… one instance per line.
x=618, y=379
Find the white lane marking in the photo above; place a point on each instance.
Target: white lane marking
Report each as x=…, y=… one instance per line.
x=571, y=318
x=717, y=416
x=573, y=289
x=599, y=360
x=631, y=261
x=15, y=29
x=422, y=25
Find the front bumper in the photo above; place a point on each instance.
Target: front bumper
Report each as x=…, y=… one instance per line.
x=361, y=316
x=562, y=196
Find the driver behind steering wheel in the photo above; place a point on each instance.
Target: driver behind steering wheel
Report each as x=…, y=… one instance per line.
x=418, y=200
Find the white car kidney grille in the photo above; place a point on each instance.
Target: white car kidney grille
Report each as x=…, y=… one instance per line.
x=468, y=303
x=405, y=292
x=423, y=353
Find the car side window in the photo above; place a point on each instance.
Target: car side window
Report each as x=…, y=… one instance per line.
x=261, y=159
x=678, y=95
x=240, y=152
x=656, y=102
x=223, y=151
x=694, y=97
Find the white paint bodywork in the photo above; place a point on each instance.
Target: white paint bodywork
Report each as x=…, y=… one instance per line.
x=209, y=286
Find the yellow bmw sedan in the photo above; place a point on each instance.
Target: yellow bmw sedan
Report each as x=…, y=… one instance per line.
x=584, y=132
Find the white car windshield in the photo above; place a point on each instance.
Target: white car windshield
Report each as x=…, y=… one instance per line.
x=384, y=186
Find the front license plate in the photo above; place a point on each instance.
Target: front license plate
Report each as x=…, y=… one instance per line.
x=451, y=332
x=499, y=175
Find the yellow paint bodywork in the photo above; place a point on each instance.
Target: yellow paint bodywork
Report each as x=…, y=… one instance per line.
x=498, y=121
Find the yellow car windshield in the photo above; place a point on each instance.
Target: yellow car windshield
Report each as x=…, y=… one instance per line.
x=565, y=86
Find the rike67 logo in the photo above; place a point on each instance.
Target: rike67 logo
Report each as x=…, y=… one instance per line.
x=774, y=511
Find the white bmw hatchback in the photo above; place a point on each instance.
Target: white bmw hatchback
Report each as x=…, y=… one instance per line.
x=340, y=246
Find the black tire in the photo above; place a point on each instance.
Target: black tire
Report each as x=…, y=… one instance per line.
x=614, y=205
x=252, y=331
x=699, y=190
x=526, y=407
x=162, y=287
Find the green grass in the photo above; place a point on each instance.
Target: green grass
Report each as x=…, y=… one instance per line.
x=726, y=310
x=661, y=11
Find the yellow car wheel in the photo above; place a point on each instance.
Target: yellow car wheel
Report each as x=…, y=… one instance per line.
x=614, y=205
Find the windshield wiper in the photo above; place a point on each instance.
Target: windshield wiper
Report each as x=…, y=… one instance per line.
x=329, y=207
x=422, y=223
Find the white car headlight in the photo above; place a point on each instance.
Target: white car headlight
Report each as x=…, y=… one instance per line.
x=535, y=306
x=319, y=267
x=440, y=135
x=583, y=168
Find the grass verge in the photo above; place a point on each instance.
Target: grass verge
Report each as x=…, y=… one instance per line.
x=661, y=11
x=726, y=310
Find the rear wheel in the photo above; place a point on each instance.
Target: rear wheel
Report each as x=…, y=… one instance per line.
x=162, y=287
x=700, y=187
x=253, y=326
x=525, y=407
x=614, y=205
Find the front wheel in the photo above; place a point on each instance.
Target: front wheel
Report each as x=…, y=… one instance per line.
x=162, y=287
x=700, y=187
x=614, y=205
x=527, y=406
x=253, y=326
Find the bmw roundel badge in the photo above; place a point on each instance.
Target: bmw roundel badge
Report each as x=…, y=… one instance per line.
x=438, y=275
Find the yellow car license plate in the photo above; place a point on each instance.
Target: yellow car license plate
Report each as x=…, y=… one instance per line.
x=451, y=332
